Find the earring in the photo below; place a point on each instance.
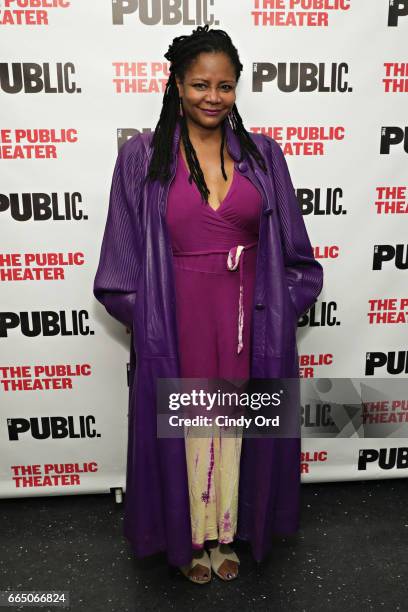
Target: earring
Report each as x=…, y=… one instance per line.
x=181, y=108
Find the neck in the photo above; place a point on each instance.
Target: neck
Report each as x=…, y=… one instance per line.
x=200, y=135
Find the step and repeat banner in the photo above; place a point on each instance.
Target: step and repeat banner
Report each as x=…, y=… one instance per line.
x=328, y=80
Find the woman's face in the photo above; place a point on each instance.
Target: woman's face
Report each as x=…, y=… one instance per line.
x=209, y=85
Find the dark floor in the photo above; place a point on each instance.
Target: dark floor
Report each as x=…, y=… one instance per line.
x=351, y=554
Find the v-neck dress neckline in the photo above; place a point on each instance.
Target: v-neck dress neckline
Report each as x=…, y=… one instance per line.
x=227, y=195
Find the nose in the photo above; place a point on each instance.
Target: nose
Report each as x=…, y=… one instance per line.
x=213, y=96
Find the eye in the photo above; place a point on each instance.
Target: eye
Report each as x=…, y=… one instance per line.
x=199, y=85
x=227, y=87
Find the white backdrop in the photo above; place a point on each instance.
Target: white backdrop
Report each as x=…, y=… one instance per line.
x=76, y=80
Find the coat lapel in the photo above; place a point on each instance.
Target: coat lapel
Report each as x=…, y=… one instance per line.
x=257, y=176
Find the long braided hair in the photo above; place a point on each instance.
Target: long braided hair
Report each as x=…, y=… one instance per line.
x=182, y=51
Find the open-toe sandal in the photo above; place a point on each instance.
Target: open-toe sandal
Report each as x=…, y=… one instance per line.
x=217, y=557
x=204, y=561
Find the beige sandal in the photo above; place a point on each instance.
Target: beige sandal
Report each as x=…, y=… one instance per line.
x=204, y=560
x=217, y=557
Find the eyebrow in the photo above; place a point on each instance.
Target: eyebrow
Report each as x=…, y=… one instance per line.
x=206, y=81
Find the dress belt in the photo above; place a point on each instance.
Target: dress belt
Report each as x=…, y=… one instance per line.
x=235, y=260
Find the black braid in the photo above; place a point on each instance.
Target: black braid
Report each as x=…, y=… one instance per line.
x=222, y=151
x=182, y=51
x=247, y=144
x=196, y=173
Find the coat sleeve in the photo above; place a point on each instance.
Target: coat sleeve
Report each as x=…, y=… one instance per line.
x=304, y=273
x=121, y=250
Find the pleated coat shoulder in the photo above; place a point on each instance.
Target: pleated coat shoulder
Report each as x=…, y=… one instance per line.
x=135, y=283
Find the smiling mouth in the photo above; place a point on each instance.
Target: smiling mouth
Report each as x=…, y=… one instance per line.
x=212, y=111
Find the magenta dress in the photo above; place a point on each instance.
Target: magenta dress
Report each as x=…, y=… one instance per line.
x=214, y=257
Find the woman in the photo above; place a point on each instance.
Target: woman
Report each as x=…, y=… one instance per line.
x=205, y=257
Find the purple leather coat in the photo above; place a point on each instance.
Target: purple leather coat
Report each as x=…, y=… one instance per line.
x=134, y=281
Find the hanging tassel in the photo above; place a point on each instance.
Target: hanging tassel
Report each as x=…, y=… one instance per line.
x=233, y=261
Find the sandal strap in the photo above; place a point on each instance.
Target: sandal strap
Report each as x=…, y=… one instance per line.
x=218, y=557
x=204, y=560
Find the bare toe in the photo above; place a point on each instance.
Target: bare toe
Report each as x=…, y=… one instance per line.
x=228, y=569
x=199, y=573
